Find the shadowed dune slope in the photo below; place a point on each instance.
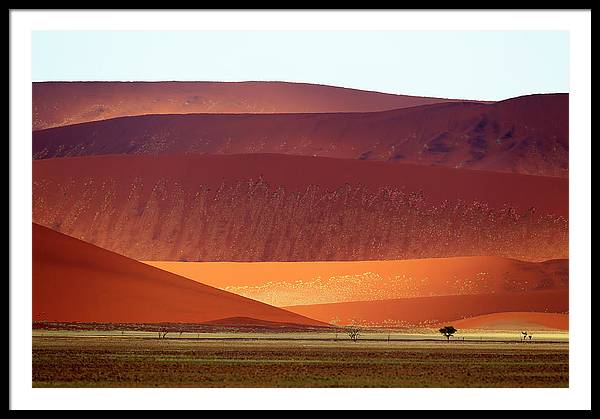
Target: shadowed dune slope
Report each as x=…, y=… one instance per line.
x=523, y=135
x=65, y=103
x=433, y=310
x=524, y=321
x=296, y=208
x=74, y=281
x=299, y=283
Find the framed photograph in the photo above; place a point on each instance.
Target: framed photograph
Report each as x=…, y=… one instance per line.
x=262, y=205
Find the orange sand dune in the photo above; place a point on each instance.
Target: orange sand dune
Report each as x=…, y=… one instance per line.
x=295, y=208
x=434, y=310
x=523, y=135
x=524, y=321
x=301, y=283
x=74, y=281
x=64, y=103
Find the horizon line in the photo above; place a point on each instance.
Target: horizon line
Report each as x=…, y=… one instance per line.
x=301, y=82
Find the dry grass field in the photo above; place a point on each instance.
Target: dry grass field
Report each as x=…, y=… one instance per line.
x=140, y=359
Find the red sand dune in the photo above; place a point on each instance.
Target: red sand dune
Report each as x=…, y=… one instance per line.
x=249, y=323
x=74, y=281
x=65, y=103
x=434, y=310
x=523, y=135
x=301, y=283
x=525, y=321
x=294, y=208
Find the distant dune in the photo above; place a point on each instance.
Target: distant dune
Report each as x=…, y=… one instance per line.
x=74, y=281
x=434, y=310
x=524, y=321
x=526, y=135
x=250, y=323
x=65, y=103
x=295, y=283
x=294, y=208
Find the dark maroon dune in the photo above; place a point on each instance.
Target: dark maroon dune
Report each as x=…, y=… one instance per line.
x=523, y=135
x=293, y=208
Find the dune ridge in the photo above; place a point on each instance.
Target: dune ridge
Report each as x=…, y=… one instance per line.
x=429, y=311
x=526, y=135
x=524, y=321
x=65, y=103
x=74, y=281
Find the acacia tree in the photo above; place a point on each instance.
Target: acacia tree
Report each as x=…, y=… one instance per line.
x=448, y=331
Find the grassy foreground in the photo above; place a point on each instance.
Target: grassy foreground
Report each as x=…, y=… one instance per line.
x=77, y=359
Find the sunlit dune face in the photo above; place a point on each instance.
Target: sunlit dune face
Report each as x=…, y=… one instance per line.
x=289, y=283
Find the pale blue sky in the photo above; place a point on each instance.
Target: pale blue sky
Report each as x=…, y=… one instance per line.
x=472, y=65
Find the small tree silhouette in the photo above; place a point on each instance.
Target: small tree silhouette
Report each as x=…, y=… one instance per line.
x=448, y=331
x=353, y=332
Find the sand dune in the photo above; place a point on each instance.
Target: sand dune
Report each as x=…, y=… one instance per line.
x=524, y=321
x=295, y=208
x=74, y=281
x=300, y=283
x=523, y=135
x=427, y=311
x=250, y=323
x=64, y=103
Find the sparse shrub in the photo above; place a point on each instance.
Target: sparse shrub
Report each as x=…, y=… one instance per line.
x=353, y=332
